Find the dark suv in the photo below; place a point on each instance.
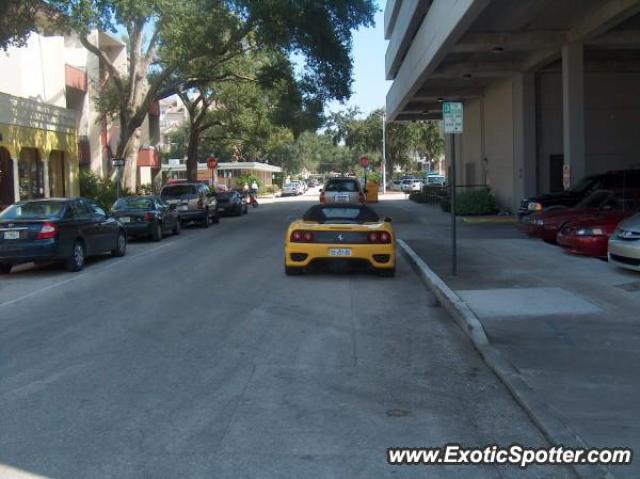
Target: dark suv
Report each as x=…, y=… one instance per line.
x=615, y=180
x=194, y=202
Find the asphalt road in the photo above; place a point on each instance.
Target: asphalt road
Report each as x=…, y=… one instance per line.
x=198, y=358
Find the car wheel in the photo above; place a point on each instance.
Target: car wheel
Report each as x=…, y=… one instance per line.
x=387, y=273
x=205, y=221
x=5, y=268
x=239, y=212
x=178, y=228
x=246, y=210
x=292, y=270
x=216, y=219
x=75, y=261
x=156, y=234
x=121, y=245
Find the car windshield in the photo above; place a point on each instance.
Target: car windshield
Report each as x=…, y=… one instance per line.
x=594, y=200
x=350, y=186
x=178, y=190
x=37, y=210
x=341, y=214
x=289, y=185
x=133, y=203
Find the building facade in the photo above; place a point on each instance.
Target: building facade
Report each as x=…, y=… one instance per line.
x=549, y=87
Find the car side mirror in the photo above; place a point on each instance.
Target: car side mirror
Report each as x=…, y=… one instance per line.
x=387, y=219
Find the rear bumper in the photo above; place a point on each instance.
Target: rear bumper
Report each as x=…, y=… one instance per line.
x=584, y=245
x=191, y=215
x=382, y=256
x=25, y=252
x=138, y=228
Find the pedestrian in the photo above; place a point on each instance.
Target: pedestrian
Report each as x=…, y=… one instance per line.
x=245, y=188
x=254, y=187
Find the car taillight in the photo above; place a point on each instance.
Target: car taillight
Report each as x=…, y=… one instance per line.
x=47, y=231
x=322, y=198
x=148, y=216
x=381, y=237
x=302, y=236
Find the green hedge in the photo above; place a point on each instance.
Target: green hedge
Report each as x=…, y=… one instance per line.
x=472, y=203
x=101, y=190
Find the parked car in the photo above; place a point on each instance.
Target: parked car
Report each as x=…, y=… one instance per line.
x=410, y=185
x=394, y=185
x=572, y=196
x=193, y=201
x=291, y=189
x=232, y=203
x=436, y=180
x=312, y=183
x=547, y=224
x=342, y=190
x=58, y=229
x=624, y=244
x=148, y=216
x=303, y=186
x=590, y=236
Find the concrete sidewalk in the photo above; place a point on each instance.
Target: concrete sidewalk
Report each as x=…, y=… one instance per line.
x=570, y=325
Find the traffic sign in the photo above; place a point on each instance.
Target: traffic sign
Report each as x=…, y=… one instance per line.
x=117, y=162
x=364, y=162
x=453, y=116
x=212, y=163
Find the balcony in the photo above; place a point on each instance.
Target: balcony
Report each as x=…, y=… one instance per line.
x=36, y=114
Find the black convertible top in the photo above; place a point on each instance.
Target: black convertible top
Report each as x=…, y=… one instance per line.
x=341, y=213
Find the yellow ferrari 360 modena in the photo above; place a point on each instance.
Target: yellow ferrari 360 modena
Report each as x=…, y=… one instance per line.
x=340, y=232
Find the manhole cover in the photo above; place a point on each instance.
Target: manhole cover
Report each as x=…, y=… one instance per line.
x=635, y=286
x=397, y=413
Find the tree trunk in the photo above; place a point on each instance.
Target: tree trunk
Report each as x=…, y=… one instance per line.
x=192, y=153
x=129, y=151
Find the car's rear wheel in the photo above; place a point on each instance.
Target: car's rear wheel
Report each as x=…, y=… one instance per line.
x=121, y=245
x=292, y=270
x=5, y=268
x=156, y=234
x=177, y=228
x=75, y=261
x=216, y=219
x=387, y=273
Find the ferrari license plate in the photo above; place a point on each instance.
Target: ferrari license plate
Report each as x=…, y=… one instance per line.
x=11, y=235
x=339, y=252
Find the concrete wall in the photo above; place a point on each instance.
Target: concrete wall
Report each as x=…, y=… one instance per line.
x=612, y=125
x=35, y=71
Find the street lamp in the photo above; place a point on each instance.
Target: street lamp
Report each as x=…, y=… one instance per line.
x=384, y=151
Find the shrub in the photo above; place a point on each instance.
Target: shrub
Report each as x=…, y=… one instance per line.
x=472, y=203
x=145, y=189
x=248, y=179
x=100, y=190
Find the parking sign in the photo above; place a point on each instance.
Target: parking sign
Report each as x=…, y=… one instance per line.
x=453, y=116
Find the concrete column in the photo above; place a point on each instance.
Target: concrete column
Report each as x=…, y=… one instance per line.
x=524, y=137
x=573, y=109
x=45, y=175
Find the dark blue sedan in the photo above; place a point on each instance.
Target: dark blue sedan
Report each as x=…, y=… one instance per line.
x=57, y=229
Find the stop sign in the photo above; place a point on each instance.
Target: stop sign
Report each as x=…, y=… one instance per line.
x=212, y=163
x=364, y=162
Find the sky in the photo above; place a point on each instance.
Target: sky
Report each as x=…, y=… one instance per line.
x=369, y=86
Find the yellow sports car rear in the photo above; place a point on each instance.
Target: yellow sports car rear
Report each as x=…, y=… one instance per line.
x=340, y=233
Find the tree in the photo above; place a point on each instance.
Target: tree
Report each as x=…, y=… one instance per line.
x=17, y=19
x=189, y=30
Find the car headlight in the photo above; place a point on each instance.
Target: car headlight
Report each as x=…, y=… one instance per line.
x=590, y=232
x=534, y=206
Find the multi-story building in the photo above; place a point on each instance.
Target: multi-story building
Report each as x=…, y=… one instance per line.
x=50, y=126
x=551, y=89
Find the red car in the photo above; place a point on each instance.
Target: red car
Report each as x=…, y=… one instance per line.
x=590, y=236
x=547, y=224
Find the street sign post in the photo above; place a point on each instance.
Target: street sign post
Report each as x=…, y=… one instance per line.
x=117, y=164
x=566, y=176
x=453, y=118
x=364, y=162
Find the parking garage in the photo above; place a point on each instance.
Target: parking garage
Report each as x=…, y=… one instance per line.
x=549, y=87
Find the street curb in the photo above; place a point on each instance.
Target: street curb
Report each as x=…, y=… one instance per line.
x=540, y=413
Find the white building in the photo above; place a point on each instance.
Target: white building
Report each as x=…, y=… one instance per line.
x=546, y=85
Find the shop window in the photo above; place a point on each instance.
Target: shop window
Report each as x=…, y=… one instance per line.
x=31, y=174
